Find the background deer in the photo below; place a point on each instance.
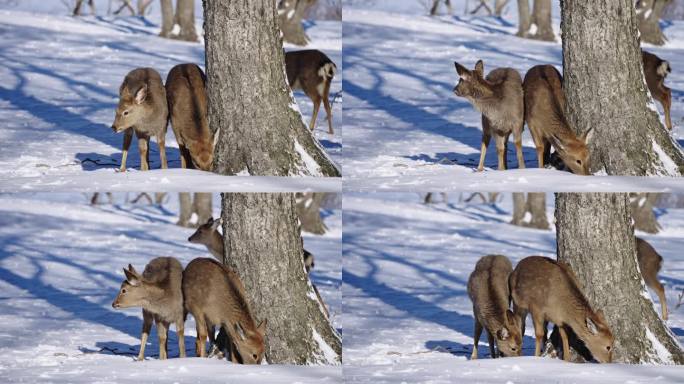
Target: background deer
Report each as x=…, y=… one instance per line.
x=215, y=296
x=655, y=71
x=548, y=290
x=650, y=263
x=488, y=290
x=545, y=117
x=142, y=109
x=499, y=97
x=312, y=71
x=187, y=99
x=158, y=292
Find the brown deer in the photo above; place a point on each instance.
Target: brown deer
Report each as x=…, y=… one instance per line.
x=499, y=97
x=312, y=71
x=655, y=71
x=650, y=263
x=187, y=99
x=545, y=117
x=488, y=290
x=215, y=296
x=549, y=291
x=142, y=109
x=158, y=292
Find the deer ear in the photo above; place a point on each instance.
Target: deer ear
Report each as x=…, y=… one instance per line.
x=556, y=143
x=240, y=331
x=502, y=333
x=479, y=68
x=215, y=224
x=131, y=276
x=591, y=326
x=588, y=135
x=141, y=95
x=461, y=70
x=262, y=327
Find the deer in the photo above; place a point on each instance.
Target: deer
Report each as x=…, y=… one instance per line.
x=142, y=109
x=549, y=291
x=655, y=72
x=311, y=71
x=499, y=97
x=545, y=117
x=158, y=291
x=650, y=263
x=488, y=290
x=187, y=102
x=215, y=296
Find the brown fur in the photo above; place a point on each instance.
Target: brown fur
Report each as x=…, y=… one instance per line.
x=187, y=99
x=158, y=292
x=209, y=235
x=650, y=263
x=215, y=296
x=312, y=71
x=548, y=290
x=499, y=97
x=488, y=290
x=142, y=109
x=655, y=71
x=545, y=117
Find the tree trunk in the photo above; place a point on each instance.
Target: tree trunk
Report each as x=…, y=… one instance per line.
x=250, y=103
x=541, y=16
x=167, y=18
x=524, y=18
x=634, y=142
x=290, y=14
x=595, y=237
x=185, y=18
x=309, y=212
x=649, y=13
x=264, y=246
x=642, y=212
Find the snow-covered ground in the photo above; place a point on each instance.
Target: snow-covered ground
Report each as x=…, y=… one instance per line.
x=407, y=316
x=61, y=266
x=398, y=82
x=61, y=77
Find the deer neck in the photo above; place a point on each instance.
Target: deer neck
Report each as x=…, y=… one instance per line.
x=215, y=245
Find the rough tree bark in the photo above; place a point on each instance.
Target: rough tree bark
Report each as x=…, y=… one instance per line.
x=642, y=212
x=635, y=142
x=290, y=15
x=535, y=205
x=649, y=13
x=309, y=212
x=250, y=102
x=264, y=246
x=595, y=237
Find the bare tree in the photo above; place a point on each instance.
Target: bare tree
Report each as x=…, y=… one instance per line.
x=634, y=142
x=530, y=211
x=540, y=18
x=596, y=238
x=649, y=13
x=642, y=212
x=290, y=14
x=309, y=212
x=259, y=133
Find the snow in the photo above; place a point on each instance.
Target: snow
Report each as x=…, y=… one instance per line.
x=61, y=77
x=61, y=263
x=668, y=165
x=405, y=271
x=661, y=352
x=399, y=76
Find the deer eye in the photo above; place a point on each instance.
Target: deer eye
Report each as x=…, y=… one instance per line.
x=579, y=162
x=125, y=113
x=608, y=348
x=123, y=290
x=254, y=356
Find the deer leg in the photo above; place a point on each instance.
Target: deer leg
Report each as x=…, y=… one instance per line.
x=660, y=291
x=517, y=140
x=326, y=105
x=128, y=138
x=483, y=150
x=201, y=326
x=147, y=326
x=161, y=141
x=490, y=339
x=317, y=106
x=162, y=333
x=667, y=104
x=539, y=333
x=501, y=151
x=143, y=149
x=522, y=315
x=566, y=345
x=180, y=330
x=476, y=337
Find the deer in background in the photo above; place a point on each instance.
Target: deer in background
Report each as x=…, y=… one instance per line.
x=549, y=291
x=650, y=263
x=312, y=71
x=488, y=290
x=187, y=103
x=545, y=117
x=499, y=97
x=142, y=109
x=158, y=292
x=655, y=72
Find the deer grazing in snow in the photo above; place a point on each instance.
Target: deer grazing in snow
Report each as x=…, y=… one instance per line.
x=187, y=100
x=142, y=109
x=499, y=97
x=312, y=71
x=158, y=292
x=545, y=117
x=650, y=263
x=488, y=290
x=549, y=291
x=655, y=71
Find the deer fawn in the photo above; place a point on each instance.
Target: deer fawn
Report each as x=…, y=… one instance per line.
x=158, y=292
x=142, y=109
x=312, y=71
x=187, y=99
x=499, y=97
x=545, y=117
x=548, y=290
x=650, y=263
x=215, y=295
x=655, y=71
x=488, y=290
